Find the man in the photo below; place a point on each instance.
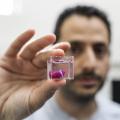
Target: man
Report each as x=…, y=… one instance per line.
x=88, y=31
x=24, y=87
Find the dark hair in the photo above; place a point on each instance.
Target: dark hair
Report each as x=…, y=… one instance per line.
x=88, y=11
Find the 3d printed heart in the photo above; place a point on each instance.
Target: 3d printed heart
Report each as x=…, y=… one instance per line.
x=56, y=74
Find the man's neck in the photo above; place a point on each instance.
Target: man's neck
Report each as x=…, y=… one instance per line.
x=76, y=110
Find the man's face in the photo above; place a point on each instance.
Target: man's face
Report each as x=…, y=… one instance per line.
x=90, y=47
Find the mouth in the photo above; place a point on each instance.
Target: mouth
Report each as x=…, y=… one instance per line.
x=87, y=82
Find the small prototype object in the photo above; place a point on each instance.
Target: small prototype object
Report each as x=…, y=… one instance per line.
x=60, y=67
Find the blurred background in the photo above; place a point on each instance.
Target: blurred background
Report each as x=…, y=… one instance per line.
x=18, y=15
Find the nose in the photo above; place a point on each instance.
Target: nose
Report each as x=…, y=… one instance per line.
x=89, y=60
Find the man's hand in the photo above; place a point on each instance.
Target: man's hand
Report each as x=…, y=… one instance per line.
x=24, y=87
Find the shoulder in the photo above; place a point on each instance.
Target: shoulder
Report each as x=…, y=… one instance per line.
x=109, y=109
x=108, y=104
x=47, y=112
x=42, y=113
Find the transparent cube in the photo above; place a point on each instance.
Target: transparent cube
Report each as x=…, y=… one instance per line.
x=60, y=67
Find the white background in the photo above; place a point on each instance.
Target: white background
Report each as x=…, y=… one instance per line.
x=41, y=16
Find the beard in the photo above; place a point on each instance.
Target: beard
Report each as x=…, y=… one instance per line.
x=78, y=98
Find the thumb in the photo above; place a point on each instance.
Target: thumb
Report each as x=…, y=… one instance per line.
x=43, y=92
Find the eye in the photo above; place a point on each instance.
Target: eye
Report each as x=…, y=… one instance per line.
x=100, y=50
x=76, y=48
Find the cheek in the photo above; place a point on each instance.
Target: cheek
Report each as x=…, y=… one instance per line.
x=103, y=67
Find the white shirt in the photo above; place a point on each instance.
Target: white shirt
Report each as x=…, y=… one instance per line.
x=107, y=110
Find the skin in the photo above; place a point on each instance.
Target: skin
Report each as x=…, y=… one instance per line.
x=91, y=53
x=24, y=87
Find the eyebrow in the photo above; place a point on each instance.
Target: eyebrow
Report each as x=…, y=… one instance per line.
x=100, y=43
x=72, y=42
x=78, y=42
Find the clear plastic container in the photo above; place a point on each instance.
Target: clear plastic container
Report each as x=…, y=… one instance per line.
x=60, y=67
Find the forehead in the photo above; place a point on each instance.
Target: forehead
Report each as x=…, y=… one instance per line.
x=90, y=29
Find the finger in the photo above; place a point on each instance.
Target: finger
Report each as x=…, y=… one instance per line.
x=30, y=50
x=19, y=42
x=55, y=50
x=62, y=45
x=41, y=94
x=40, y=60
